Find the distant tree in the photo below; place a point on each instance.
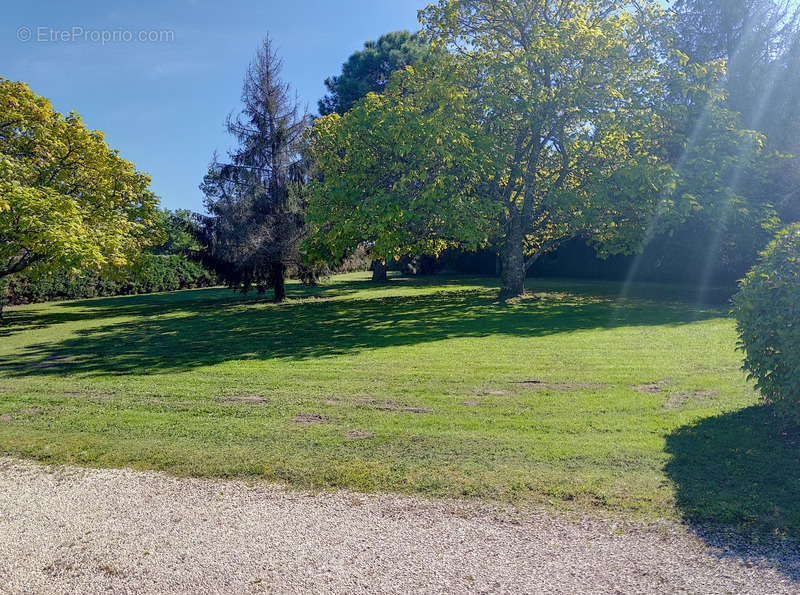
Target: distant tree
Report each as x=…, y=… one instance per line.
x=759, y=41
x=368, y=70
x=67, y=201
x=180, y=233
x=255, y=200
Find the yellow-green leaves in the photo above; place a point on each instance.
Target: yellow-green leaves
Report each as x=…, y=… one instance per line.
x=400, y=172
x=66, y=199
x=563, y=93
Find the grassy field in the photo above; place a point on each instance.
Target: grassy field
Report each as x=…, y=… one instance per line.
x=572, y=396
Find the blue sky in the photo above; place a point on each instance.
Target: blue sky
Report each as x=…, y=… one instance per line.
x=163, y=103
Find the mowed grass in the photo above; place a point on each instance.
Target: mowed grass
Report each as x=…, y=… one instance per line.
x=573, y=396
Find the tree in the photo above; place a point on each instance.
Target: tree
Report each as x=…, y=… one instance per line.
x=368, y=70
x=256, y=201
x=180, y=233
x=399, y=172
x=550, y=97
x=759, y=40
x=750, y=35
x=569, y=92
x=67, y=201
x=555, y=119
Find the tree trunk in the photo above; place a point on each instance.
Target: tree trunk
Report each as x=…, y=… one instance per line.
x=279, y=282
x=379, y=270
x=513, y=273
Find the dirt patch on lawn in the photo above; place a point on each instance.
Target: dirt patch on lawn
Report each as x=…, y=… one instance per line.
x=679, y=400
x=541, y=385
x=5, y=417
x=471, y=403
x=494, y=393
x=246, y=399
x=392, y=406
x=310, y=419
x=651, y=387
x=358, y=435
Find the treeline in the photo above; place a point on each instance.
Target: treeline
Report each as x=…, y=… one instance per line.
x=571, y=137
x=594, y=138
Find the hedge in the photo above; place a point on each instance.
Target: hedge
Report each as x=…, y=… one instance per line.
x=154, y=273
x=767, y=309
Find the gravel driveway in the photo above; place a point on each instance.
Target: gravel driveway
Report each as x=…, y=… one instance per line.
x=87, y=531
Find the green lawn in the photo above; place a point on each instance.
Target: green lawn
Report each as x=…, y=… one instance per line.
x=573, y=396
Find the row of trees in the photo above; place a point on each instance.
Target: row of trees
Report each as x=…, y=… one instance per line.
x=518, y=124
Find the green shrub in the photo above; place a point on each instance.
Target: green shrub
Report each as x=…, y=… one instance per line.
x=154, y=273
x=767, y=308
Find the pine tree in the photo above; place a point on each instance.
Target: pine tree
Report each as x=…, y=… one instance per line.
x=255, y=224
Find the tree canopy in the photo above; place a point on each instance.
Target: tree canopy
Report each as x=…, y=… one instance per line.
x=400, y=172
x=369, y=69
x=256, y=217
x=66, y=199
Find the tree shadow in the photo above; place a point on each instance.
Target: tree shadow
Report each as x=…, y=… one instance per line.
x=17, y=321
x=737, y=479
x=176, y=333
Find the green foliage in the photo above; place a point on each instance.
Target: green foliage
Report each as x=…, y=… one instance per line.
x=151, y=273
x=526, y=113
x=179, y=229
x=767, y=309
x=759, y=43
x=66, y=200
x=368, y=70
x=399, y=172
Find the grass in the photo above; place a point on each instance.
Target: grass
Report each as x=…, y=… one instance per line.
x=418, y=386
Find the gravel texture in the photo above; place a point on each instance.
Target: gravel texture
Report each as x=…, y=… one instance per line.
x=88, y=531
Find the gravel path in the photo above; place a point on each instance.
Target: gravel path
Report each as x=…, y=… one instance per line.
x=86, y=531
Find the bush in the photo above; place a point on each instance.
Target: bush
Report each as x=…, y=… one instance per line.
x=767, y=308
x=154, y=273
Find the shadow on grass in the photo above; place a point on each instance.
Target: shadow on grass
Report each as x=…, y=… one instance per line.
x=178, y=332
x=16, y=321
x=737, y=477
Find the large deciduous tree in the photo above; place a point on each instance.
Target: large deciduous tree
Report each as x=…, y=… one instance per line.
x=67, y=201
x=538, y=110
x=565, y=91
x=256, y=200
